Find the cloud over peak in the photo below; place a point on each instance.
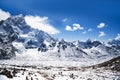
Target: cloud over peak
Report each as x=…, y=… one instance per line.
x=74, y=27
x=118, y=37
x=101, y=34
x=36, y=22
x=41, y=23
x=101, y=25
x=4, y=15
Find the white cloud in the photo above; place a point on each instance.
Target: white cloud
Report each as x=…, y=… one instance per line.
x=77, y=26
x=101, y=34
x=118, y=37
x=86, y=31
x=74, y=27
x=64, y=20
x=41, y=23
x=68, y=28
x=101, y=25
x=4, y=15
x=90, y=29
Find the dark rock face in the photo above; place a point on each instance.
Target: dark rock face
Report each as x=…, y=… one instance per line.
x=6, y=51
x=6, y=48
x=42, y=48
x=7, y=36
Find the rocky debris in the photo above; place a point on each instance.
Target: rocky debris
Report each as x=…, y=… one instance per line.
x=113, y=64
x=6, y=73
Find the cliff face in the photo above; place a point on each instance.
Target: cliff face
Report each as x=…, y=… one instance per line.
x=6, y=48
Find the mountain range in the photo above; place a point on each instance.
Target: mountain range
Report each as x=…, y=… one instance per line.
x=15, y=31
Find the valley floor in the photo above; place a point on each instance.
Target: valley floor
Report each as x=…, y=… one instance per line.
x=13, y=72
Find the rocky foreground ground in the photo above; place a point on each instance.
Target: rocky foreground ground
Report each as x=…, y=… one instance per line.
x=56, y=73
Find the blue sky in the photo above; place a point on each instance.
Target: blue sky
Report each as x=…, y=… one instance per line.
x=73, y=19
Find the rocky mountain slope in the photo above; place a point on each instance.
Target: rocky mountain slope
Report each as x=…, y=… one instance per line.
x=113, y=64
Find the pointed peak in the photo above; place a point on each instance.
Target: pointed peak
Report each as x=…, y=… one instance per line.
x=77, y=42
x=17, y=17
x=20, y=15
x=61, y=40
x=89, y=40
